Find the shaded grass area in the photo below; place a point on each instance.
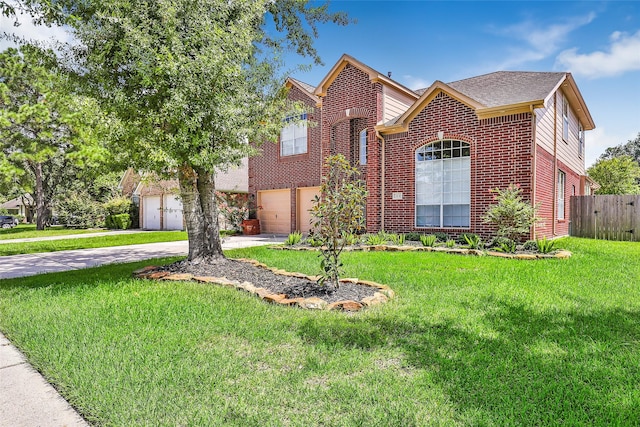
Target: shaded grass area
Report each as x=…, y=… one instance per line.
x=468, y=341
x=91, y=242
x=25, y=231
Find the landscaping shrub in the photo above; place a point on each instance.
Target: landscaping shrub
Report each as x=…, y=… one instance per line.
x=80, y=211
x=545, y=246
x=397, y=239
x=293, y=238
x=511, y=215
x=428, y=240
x=119, y=222
x=413, y=236
x=472, y=240
x=530, y=245
x=441, y=236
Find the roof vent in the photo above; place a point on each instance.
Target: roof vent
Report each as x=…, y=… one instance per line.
x=389, y=74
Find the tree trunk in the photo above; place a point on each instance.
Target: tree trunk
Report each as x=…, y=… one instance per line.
x=201, y=213
x=41, y=205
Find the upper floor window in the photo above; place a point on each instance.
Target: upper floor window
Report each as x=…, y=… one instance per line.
x=293, y=138
x=565, y=119
x=363, y=147
x=580, y=140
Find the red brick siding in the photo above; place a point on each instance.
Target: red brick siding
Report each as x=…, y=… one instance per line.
x=269, y=171
x=353, y=101
x=500, y=155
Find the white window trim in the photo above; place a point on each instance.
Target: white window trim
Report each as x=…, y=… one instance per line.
x=442, y=204
x=362, y=149
x=565, y=119
x=299, y=131
x=580, y=140
x=562, y=182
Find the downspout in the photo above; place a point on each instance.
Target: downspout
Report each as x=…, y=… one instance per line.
x=554, y=200
x=534, y=150
x=382, y=174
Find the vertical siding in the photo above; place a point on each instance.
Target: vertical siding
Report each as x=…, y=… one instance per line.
x=394, y=103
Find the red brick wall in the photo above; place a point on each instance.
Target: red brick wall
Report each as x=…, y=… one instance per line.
x=269, y=171
x=550, y=226
x=351, y=101
x=500, y=155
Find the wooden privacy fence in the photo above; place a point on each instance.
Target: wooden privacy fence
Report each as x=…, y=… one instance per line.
x=609, y=217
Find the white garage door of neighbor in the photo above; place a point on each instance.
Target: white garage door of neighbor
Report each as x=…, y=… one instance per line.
x=275, y=215
x=173, y=213
x=151, y=213
x=305, y=203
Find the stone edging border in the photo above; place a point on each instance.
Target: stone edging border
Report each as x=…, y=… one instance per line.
x=561, y=254
x=383, y=294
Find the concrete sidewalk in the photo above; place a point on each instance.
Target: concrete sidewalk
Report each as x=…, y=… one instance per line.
x=26, y=398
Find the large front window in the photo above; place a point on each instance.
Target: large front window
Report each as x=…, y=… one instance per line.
x=293, y=138
x=443, y=184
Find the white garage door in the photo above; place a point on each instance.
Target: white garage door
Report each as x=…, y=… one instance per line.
x=304, y=204
x=151, y=213
x=173, y=213
x=275, y=215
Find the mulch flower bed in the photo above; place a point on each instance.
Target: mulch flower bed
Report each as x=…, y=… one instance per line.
x=274, y=285
x=525, y=255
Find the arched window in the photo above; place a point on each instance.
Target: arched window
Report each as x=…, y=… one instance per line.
x=443, y=184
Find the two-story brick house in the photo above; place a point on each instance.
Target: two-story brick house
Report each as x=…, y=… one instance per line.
x=430, y=157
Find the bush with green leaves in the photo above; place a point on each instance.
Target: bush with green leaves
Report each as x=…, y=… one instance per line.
x=397, y=239
x=504, y=244
x=118, y=222
x=441, y=236
x=428, y=240
x=80, y=211
x=450, y=243
x=473, y=241
x=530, y=245
x=293, y=238
x=376, y=239
x=511, y=214
x=116, y=207
x=337, y=213
x=413, y=236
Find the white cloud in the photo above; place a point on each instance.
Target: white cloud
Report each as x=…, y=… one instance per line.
x=541, y=42
x=414, y=83
x=623, y=55
x=28, y=30
x=598, y=140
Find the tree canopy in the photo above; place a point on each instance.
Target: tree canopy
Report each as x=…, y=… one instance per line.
x=617, y=175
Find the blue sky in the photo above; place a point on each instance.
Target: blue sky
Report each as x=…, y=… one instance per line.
x=424, y=41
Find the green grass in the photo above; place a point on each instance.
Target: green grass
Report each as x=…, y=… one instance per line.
x=468, y=341
x=91, y=242
x=24, y=231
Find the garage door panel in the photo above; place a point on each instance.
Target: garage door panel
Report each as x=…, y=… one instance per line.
x=275, y=212
x=173, y=213
x=151, y=212
x=304, y=204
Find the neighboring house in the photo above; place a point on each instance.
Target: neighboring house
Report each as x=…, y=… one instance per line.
x=160, y=204
x=430, y=157
x=23, y=206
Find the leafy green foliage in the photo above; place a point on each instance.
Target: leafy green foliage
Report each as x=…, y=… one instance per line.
x=473, y=241
x=80, y=211
x=451, y=243
x=428, y=240
x=530, y=245
x=617, y=175
x=511, y=215
x=545, y=246
x=441, y=236
x=376, y=239
x=48, y=134
x=119, y=221
x=631, y=148
x=504, y=244
x=397, y=239
x=293, y=238
x=337, y=213
x=413, y=236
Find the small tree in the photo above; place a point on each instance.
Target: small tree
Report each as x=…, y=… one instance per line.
x=512, y=216
x=337, y=213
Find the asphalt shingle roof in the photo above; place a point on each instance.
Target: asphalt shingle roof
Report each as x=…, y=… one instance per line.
x=508, y=87
x=306, y=86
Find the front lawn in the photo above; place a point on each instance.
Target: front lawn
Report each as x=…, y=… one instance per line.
x=24, y=231
x=91, y=242
x=467, y=341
